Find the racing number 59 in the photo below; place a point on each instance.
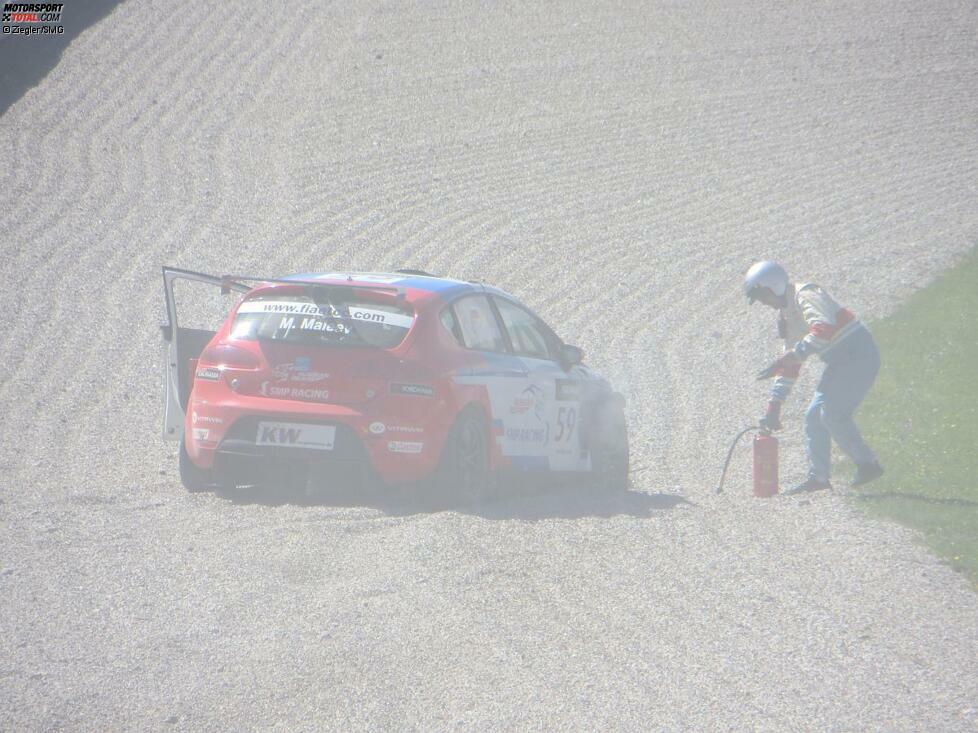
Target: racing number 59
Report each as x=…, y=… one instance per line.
x=566, y=419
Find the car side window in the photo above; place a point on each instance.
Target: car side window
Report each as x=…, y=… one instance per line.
x=526, y=332
x=478, y=324
x=450, y=322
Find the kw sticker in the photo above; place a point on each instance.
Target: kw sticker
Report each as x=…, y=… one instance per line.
x=296, y=435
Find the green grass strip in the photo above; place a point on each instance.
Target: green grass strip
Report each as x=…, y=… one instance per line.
x=922, y=416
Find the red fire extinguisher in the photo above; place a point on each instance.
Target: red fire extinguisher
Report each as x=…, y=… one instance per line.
x=765, y=462
x=765, y=465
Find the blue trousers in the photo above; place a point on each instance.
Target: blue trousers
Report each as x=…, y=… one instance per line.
x=847, y=378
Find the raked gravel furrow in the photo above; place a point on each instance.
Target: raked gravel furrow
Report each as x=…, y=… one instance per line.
x=617, y=166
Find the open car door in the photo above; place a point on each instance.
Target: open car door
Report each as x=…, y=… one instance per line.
x=186, y=332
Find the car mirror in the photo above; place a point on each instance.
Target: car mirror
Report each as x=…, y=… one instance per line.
x=571, y=355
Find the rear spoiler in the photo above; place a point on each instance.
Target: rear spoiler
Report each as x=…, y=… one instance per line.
x=229, y=281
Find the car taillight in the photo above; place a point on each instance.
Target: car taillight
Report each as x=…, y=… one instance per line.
x=225, y=356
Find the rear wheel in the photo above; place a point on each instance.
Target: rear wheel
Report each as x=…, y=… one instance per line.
x=463, y=473
x=609, y=448
x=194, y=479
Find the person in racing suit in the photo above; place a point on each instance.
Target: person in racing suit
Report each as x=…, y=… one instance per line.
x=812, y=322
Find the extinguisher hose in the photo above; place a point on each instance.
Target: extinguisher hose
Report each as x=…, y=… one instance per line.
x=726, y=463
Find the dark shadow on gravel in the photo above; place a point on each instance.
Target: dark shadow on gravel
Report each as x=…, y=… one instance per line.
x=577, y=504
x=527, y=503
x=26, y=60
x=915, y=497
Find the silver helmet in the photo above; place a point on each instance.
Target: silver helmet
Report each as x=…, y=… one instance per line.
x=765, y=274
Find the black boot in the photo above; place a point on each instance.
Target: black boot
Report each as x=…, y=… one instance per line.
x=812, y=484
x=866, y=472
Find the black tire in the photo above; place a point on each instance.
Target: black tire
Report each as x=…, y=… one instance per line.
x=463, y=472
x=609, y=448
x=194, y=479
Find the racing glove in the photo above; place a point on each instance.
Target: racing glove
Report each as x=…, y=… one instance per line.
x=772, y=418
x=787, y=362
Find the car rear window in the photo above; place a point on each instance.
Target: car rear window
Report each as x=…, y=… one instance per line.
x=322, y=317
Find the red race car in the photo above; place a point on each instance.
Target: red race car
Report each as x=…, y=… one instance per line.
x=401, y=376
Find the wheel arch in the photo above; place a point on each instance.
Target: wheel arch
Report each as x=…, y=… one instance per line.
x=590, y=408
x=477, y=407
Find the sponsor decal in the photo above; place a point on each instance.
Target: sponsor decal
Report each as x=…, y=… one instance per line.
x=289, y=307
x=568, y=390
x=295, y=393
x=274, y=434
x=531, y=398
x=296, y=435
x=298, y=371
x=403, y=446
x=527, y=435
x=314, y=313
x=313, y=324
x=421, y=390
x=566, y=422
x=196, y=417
x=201, y=433
x=209, y=373
x=32, y=19
x=379, y=428
x=383, y=317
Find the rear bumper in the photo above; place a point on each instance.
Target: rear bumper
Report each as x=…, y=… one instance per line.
x=240, y=459
x=363, y=443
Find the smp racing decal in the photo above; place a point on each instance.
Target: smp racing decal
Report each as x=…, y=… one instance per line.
x=288, y=374
x=419, y=390
x=32, y=19
x=529, y=435
x=532, y=403
x=294, y=393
